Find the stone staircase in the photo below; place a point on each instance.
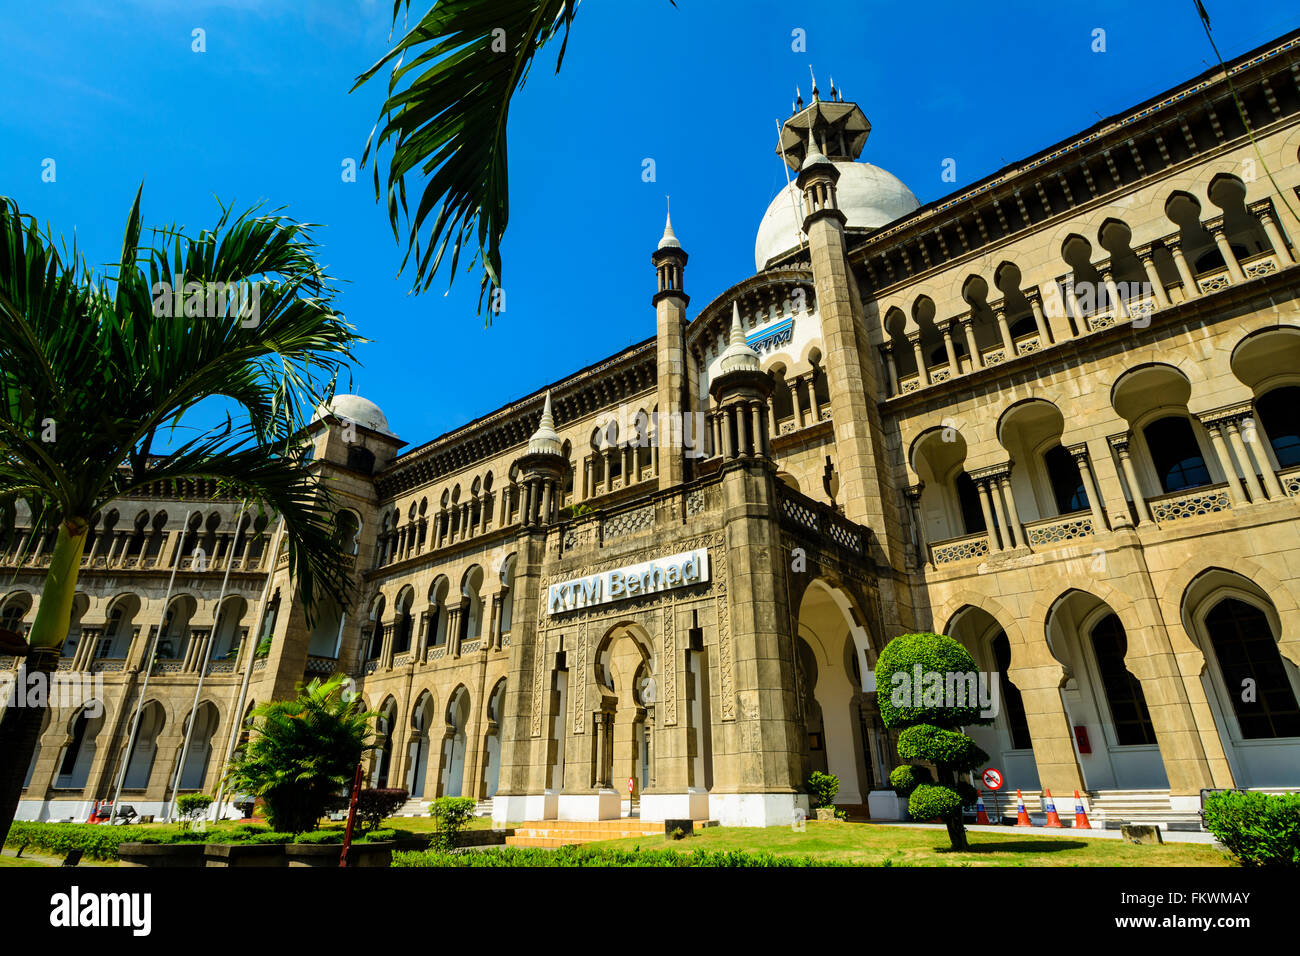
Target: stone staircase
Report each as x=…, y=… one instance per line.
x=558, y=833
x=1113, y=808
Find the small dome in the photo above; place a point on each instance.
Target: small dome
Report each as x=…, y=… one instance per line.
x=739, y=355
x=669, y=240
x=545, y=441
x=869, y=197
x=354, y=408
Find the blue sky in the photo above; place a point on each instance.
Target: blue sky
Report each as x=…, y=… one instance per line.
x=115, y=95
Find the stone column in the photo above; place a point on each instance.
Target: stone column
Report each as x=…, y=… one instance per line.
x=1239, y=450
x=923, y=373
x=1000, y=509
x=891, y=367
x=795, y=399
x=1120, y=444
x=1112, y=292
x=1148, y=257
x=1225, y=461
x=1190, y=289
x=1269, y=222
x=546, y=501
x=1257, y=444
x=1080, y=453
x=986, y=506
x=1040, y=320
x=914, y=512
x=1013, y=515
x=945, y=329
x=715, y=420
x=1000, y=312
x=968, y=330
x=1225, y=248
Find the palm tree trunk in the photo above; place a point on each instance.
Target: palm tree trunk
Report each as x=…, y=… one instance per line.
x=20, y=725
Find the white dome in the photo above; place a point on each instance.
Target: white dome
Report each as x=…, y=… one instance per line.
x=869, y=196
x=354, y=408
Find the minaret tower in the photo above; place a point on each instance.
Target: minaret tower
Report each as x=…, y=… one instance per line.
x=840, y=129
x=670, y=301
x=542, y=468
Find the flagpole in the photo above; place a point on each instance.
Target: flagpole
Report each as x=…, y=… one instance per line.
x=148, y=669
x=248, y=671
x=203, y=667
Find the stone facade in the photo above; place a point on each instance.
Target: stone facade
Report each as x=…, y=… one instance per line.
x=1055, y=415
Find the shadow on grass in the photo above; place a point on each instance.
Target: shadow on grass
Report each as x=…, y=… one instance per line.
x=1056, y=846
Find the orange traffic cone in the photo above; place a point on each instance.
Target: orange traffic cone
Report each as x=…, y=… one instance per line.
x=1053, y=820
x=1022, y=818
x=94, y=812
x=981, y=815
x=1080, y=817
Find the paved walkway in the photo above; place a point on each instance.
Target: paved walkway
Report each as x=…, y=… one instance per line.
x=1169, y=836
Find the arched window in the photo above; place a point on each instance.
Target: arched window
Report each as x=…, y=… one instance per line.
x=1128, y=705
x=361, y=459
x=968, y=498
x=1013, y=705
x=1067, y=483
x=1247, y=652
x=1279, y=414
x=1176, y=454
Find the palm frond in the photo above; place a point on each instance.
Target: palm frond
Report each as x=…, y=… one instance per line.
x=452, y=77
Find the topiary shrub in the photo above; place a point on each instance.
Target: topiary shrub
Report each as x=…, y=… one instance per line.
x=920, y=695
x=452, y=815
x=907, y=777
x=1258, y=829
x=376, y=804
x=192, y=806
x=822, y=788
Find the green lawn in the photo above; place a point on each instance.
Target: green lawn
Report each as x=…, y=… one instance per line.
x=427, y=824
x=7, y=860
x=873, y=844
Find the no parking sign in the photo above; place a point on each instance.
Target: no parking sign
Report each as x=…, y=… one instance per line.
x=993, y=778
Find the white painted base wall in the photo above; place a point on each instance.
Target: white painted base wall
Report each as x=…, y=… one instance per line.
x=692, y=805
x=603, y=805
x=518, y=808
x=756, y=809
x=78, y=811
x=886, y=805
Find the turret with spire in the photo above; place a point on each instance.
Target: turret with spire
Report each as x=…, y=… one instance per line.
x=541, y=470
x=740, y=393
x=670, y=435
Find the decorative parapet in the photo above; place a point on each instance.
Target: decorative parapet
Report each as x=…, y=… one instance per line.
x=1059, y=529
x=321, y=665
x=959, y=549
x=1290, y=480
x=1189, y=504
x=222, y=667
x=820, y=520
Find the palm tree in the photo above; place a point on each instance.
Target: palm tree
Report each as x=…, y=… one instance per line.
x=302, y=752
x=446, y=115
x=93, y=366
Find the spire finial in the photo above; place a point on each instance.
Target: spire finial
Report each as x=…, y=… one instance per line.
x=545, y=441
x=814, y=83
x=739, y=354
x=834, y=95
x=798, y=99
x=669, y=239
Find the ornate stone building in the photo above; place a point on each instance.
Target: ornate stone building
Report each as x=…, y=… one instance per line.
x=1055, y=415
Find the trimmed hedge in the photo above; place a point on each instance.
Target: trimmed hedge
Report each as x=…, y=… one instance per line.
x=570, y=856
x=907, y=777
x=95, y=841
x=101, y=842
x=1258, y=829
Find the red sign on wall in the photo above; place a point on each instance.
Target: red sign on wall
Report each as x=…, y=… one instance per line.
x=1081, y=738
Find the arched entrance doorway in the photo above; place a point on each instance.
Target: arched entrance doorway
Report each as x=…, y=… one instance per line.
x=1252, y=689
x=453, y=747
x=492, y=739
x=1117, y=749
x=418, y=753
x=623, y=665
x=385, y=726
x=1006, y=740
x=833, y=651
